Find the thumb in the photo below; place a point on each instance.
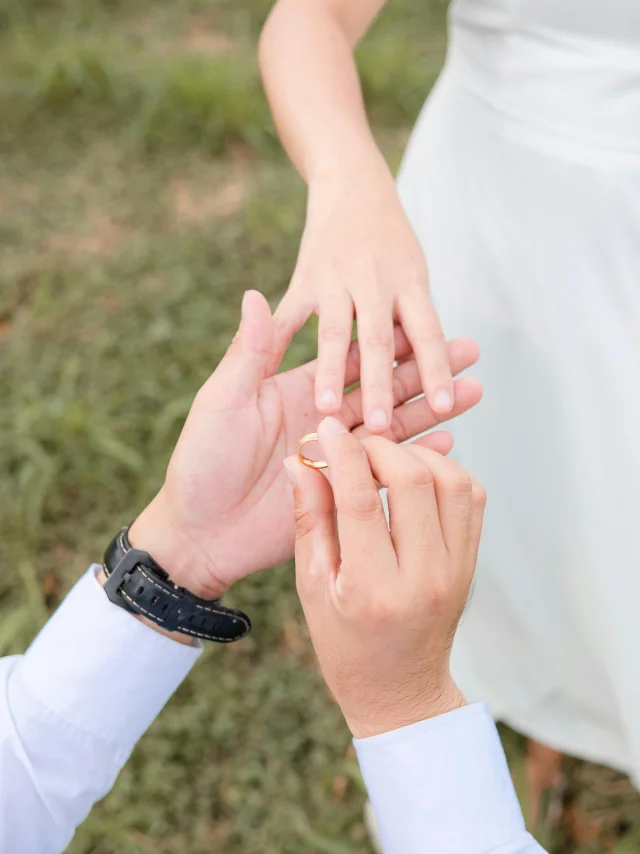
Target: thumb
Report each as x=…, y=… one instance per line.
x=317, y=549
x=246, y=362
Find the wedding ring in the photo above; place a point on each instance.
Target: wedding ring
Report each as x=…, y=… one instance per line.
x=307, y=461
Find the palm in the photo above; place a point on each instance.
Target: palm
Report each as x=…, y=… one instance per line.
x=253, y=504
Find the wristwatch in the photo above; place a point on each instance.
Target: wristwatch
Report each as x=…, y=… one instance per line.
x=136, y=583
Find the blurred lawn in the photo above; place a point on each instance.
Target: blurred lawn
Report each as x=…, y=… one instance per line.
x=142, y=190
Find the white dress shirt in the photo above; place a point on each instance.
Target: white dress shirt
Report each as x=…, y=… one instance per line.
x=73, y=707
x=442, y=786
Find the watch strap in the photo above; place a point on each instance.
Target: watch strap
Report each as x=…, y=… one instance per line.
x=138, y=584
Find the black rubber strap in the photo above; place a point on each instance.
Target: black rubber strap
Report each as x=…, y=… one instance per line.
x=136, y=583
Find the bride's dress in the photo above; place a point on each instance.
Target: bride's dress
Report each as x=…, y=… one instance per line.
x=522, y=180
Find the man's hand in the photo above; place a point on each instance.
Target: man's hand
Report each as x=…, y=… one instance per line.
x=383, y=605
x=226, y=507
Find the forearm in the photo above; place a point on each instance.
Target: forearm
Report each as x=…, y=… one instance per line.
x=71, y=710
x=311, y=80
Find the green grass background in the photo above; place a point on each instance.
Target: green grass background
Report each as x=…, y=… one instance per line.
x=142, y=190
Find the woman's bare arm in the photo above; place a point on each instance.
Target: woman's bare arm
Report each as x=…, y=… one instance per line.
x=359, y=255
x=309, y=73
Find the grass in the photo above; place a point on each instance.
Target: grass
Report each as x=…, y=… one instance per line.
x=142, y=190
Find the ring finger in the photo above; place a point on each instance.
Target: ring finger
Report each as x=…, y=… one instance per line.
x=375, y=334
x=334, y=340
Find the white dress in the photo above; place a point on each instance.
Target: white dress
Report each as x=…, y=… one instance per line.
x=522, y=180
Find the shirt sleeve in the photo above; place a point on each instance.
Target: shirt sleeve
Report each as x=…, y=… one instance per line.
x=72, y=709
x=443, y=785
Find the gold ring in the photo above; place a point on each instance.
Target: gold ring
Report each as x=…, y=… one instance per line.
x=313, y=464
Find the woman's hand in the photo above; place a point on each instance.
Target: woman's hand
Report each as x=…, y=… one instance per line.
x=359, y=256
x=225, y=509
x=383, y=605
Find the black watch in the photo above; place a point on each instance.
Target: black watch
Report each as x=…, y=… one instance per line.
x=136, y=583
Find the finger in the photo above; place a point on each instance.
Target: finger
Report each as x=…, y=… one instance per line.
x=411, y=495
x=478, y=504
x=290, y=316
x=246, y=362
x=365, y=545
x=453, y=487
x=462, y=354
x=422, y=327
x=406, y=383
x=316, y=541
x=416, y=416
x=375, y=334
x=334, y=339
x=402, y=351
x=441, y=442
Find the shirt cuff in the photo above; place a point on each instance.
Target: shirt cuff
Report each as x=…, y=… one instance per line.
x=100, y=669
x=441, y=785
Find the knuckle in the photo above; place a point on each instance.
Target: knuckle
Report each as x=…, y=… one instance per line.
x=415, y=274
x=331, y=333
x=361, y=271
x=379, y=340
x=353, y=458
x=438, y=597
x=381, y=610
x=479, y=494
x=429, y=338
x=421, y=475
x=362, y=502
x=418, y=475
x=458, y=482
x=309, y=580
x=304, y=522
x=348, y=590
x=429, y=333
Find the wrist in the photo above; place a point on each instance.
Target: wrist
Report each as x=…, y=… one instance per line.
x=177, y=552
x=361, y=164
x=446, y=699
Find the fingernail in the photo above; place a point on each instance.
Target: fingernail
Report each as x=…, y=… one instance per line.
x=332, y=425
x=378, y=419
x=243, y=308
x=328, y=398
x=291, y=472
x=442, y=400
